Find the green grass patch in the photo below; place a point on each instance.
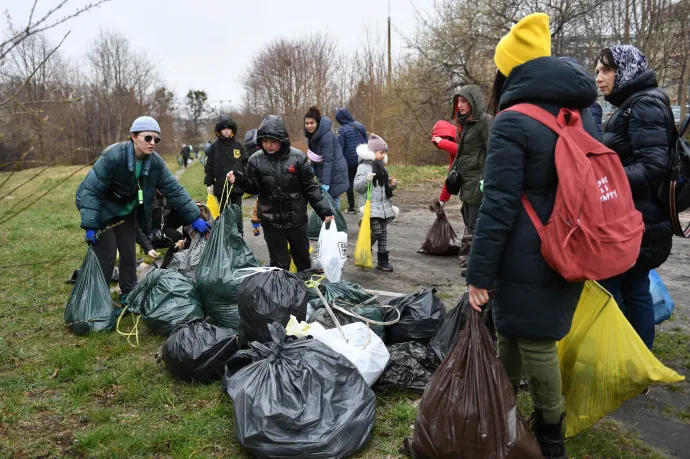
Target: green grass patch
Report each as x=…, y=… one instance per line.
x=673, y=346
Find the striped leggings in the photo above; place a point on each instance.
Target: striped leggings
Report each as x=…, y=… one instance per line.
x=379, y=233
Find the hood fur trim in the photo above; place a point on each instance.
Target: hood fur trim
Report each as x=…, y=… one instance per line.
x=367, y=155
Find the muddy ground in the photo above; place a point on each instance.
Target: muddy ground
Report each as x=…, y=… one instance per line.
x=650, y=416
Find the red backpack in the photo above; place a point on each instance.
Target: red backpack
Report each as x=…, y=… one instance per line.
x=594, y=231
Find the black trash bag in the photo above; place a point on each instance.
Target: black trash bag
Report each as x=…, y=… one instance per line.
x=268, y=297
x=347, y=291
x=198, y=352
x=90, y=307
x=420, y=315
x=441, y=239
x=225, y=253
x=187, y=261
x=445, y=335
x=410, y=367
x=165, y=299
x=315, y=222
x=301, y=400
x=322, y=316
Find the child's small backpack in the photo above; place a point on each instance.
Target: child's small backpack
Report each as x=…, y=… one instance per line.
x=594, y=231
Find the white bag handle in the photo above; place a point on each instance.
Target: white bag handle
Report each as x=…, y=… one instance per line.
x=252, y=271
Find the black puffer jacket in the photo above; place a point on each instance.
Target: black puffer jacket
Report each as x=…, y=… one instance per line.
x=225, y=155
x=641, y=135
x=284, y=181
x=532, y=300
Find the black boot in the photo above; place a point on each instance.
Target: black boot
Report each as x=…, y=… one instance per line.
x=383, y=263
x=549, y=436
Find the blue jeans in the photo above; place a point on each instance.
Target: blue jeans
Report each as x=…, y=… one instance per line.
x=631, y=292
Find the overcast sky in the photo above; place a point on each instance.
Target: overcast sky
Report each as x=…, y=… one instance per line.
x=208, y=44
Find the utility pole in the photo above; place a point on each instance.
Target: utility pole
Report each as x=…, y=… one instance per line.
x=388, y=80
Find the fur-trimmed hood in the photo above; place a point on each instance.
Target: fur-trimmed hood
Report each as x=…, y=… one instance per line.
x=367, y=155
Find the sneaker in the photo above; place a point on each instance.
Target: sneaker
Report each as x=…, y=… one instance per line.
x=350, y=210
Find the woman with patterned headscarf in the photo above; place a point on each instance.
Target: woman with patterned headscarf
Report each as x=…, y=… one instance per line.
x=641, y=132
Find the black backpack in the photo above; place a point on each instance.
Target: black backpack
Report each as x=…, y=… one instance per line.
x=674, y=193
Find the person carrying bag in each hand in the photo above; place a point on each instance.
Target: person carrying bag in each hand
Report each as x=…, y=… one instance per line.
x=119, y=191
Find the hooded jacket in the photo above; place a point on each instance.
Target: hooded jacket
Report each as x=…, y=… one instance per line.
x=251, y=144
x=113, y=175
x=381, y=206
x=284, y=181
x=225, y=155
x=641, y=135
x=472, y=145
x=448, y=133
x=532, y=300
x=333, y=170
x=350, y=135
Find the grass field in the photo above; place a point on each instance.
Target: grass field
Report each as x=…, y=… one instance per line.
x=97, y=396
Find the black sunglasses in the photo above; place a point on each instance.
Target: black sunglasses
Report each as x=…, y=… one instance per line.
x=149, y=138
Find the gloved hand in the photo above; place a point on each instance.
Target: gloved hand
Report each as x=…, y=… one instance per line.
x=90, y=237
x=201, y=225
x=209, y=190
x=370, y=177
x=256, y=228
x=324, y=188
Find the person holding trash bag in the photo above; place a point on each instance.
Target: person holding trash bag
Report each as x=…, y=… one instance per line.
x=185, y=152
x=534, y=305
x=641, y=132
x=284, y=181
x=443, y=136
x=324, y=152
x=225, y=155
x=372, y=170
x=120, y=190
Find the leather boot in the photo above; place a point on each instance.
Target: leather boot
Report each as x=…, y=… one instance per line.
x=549, y=436
x=383, y=263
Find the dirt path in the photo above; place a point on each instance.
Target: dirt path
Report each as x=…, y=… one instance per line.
x=650, y=416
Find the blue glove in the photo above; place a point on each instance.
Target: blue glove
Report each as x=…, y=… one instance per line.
x=201, y=225
x=90, y=237
x=324, y=188
x=256, y=228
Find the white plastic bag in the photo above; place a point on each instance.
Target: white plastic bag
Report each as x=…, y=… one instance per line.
x=363, y=348
x=331, y=252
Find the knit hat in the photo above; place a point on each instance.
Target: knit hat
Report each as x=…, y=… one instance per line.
x=144, y=124
x=528, y=39
x=376, y=143
x=630, y=63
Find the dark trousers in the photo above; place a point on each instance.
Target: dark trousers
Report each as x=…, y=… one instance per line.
x=277, y=241
x=631, y=292
x=121, y=238
x=351, y=172
x=470, y=214
x=234, y=199
x=379, y=233
x=184, y=160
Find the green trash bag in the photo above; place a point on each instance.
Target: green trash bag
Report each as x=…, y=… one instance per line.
x=315, y=221
x=346, y=295
x=165, y=299
x=90, y=308
x=225, y=253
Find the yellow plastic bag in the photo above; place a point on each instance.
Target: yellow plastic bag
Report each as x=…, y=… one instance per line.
x=603, y=361
x=213, y=206
x=293, y=266
x=363, y=247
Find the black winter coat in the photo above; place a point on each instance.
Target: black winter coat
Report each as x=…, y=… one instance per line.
x=284, y=181
x=225, y=155
x=641, y=135
x=350, y=135
x=333, y=170
x=532, y=300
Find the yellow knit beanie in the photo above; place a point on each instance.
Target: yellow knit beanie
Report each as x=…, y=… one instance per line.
x=528, y=39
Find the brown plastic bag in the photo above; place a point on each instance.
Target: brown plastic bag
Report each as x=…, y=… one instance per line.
x=441, y=239
x=468, y=410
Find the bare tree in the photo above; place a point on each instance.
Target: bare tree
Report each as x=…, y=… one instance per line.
x=196, y=107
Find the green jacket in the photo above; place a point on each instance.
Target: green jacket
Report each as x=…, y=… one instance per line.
x=472, y=146
x=111, y=183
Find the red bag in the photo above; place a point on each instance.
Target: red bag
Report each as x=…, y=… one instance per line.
x=594, y=231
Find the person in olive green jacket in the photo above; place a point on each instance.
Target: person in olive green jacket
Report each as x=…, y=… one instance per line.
x=476, y=124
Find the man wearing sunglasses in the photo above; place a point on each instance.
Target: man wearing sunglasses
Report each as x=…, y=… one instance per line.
x=119, y=191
